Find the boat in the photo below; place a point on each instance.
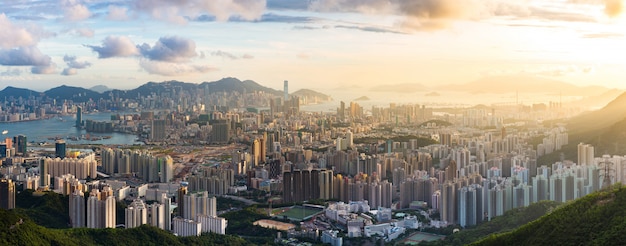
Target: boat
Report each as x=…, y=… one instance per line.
x=5, y=132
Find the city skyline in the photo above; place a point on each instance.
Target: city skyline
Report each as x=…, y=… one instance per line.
x=124, y=44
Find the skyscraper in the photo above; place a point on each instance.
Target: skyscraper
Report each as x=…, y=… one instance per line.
x=100, y=209
x=3, y=150
x=79, y=117
x=180, y=196
x=158, y=130
x=77, y=209
x=21, y=144
x=136, y=214
x=286, y=90
x=59, y=149
x=7, y=194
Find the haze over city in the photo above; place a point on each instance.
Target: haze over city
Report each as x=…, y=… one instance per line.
x=316, y=44
x=312, y=122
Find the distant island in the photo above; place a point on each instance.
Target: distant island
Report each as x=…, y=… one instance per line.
x=363, y=98
x=432, y=94
x=311, y=97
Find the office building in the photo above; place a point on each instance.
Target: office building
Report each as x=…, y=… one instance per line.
x=286, y=90
x=21, y=144
x=59, y=149
x=79, y=117
x=7, y=194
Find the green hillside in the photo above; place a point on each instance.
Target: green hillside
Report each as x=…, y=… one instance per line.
x=596, y=219
x=509, y=221
x=18, y=229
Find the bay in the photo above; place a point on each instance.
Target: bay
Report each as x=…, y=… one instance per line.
x=63, y=127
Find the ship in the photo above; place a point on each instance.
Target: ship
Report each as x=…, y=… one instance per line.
x=5, y=132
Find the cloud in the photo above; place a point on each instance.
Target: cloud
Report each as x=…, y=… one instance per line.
x=178, y=11
x=117, y=13
x=11, y=72
x=231, y=56
x=76, y=12
x=369, y=29
x=12, y=35
x=613, y=8
x=72, y=62
x=437, y=14
x=115, y=46
x=49, y=69
x=69, y=71
x=84, y=32
x=288, y=4
x=269, y=17
x=170, y=49
x=24, y=56
x=603, y=35
x=172, y=69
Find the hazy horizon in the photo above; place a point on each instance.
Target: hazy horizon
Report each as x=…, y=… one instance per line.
x=325, y=43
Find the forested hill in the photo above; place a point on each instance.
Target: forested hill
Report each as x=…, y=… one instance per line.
x=596, y=219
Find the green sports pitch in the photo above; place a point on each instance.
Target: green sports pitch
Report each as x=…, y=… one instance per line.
x=295, y=213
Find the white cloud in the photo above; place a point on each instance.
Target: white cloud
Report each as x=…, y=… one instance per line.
x=24, y=56
x=115, y=46
x=172, y=69
x=76, y=12
x=171, y=49
x=69, y=71
x=179, y=11
x=117, y=13
x=12, y=35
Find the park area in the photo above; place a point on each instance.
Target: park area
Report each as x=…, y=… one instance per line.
x=296, y=213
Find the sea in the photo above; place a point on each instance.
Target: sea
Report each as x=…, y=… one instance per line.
x=440, y=99
x=39, y=131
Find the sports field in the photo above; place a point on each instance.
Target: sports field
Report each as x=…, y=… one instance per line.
x=295, y=213
x=417, y=237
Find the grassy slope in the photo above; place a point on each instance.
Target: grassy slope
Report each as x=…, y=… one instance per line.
x=598, y=219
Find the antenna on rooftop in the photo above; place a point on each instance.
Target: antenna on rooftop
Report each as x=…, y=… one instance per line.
x=607, y=172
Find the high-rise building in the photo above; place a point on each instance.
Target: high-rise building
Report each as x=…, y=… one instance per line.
x=167, y=168
x=21, y=144
x=3, y=150
x=180, y=196
x=100, y=209
x=186, y=228
x=59, y=149
x=167, y=203
x=221, y=131
x=585, y=154
x=158, y=130
x=7, y=194
x=199, y=203
x=77, y=209
x=79, y=117
x=286, y=91
x=136, y=214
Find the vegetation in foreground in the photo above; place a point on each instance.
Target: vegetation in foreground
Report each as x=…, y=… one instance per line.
x=596, y=219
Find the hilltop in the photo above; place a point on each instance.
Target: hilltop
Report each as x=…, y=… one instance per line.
x=79, y=94
x=596, y=219
x=312, y=96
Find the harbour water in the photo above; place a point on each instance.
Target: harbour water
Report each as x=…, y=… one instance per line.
x=63, y=128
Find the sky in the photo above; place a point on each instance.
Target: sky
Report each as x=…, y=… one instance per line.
x=315, y=44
